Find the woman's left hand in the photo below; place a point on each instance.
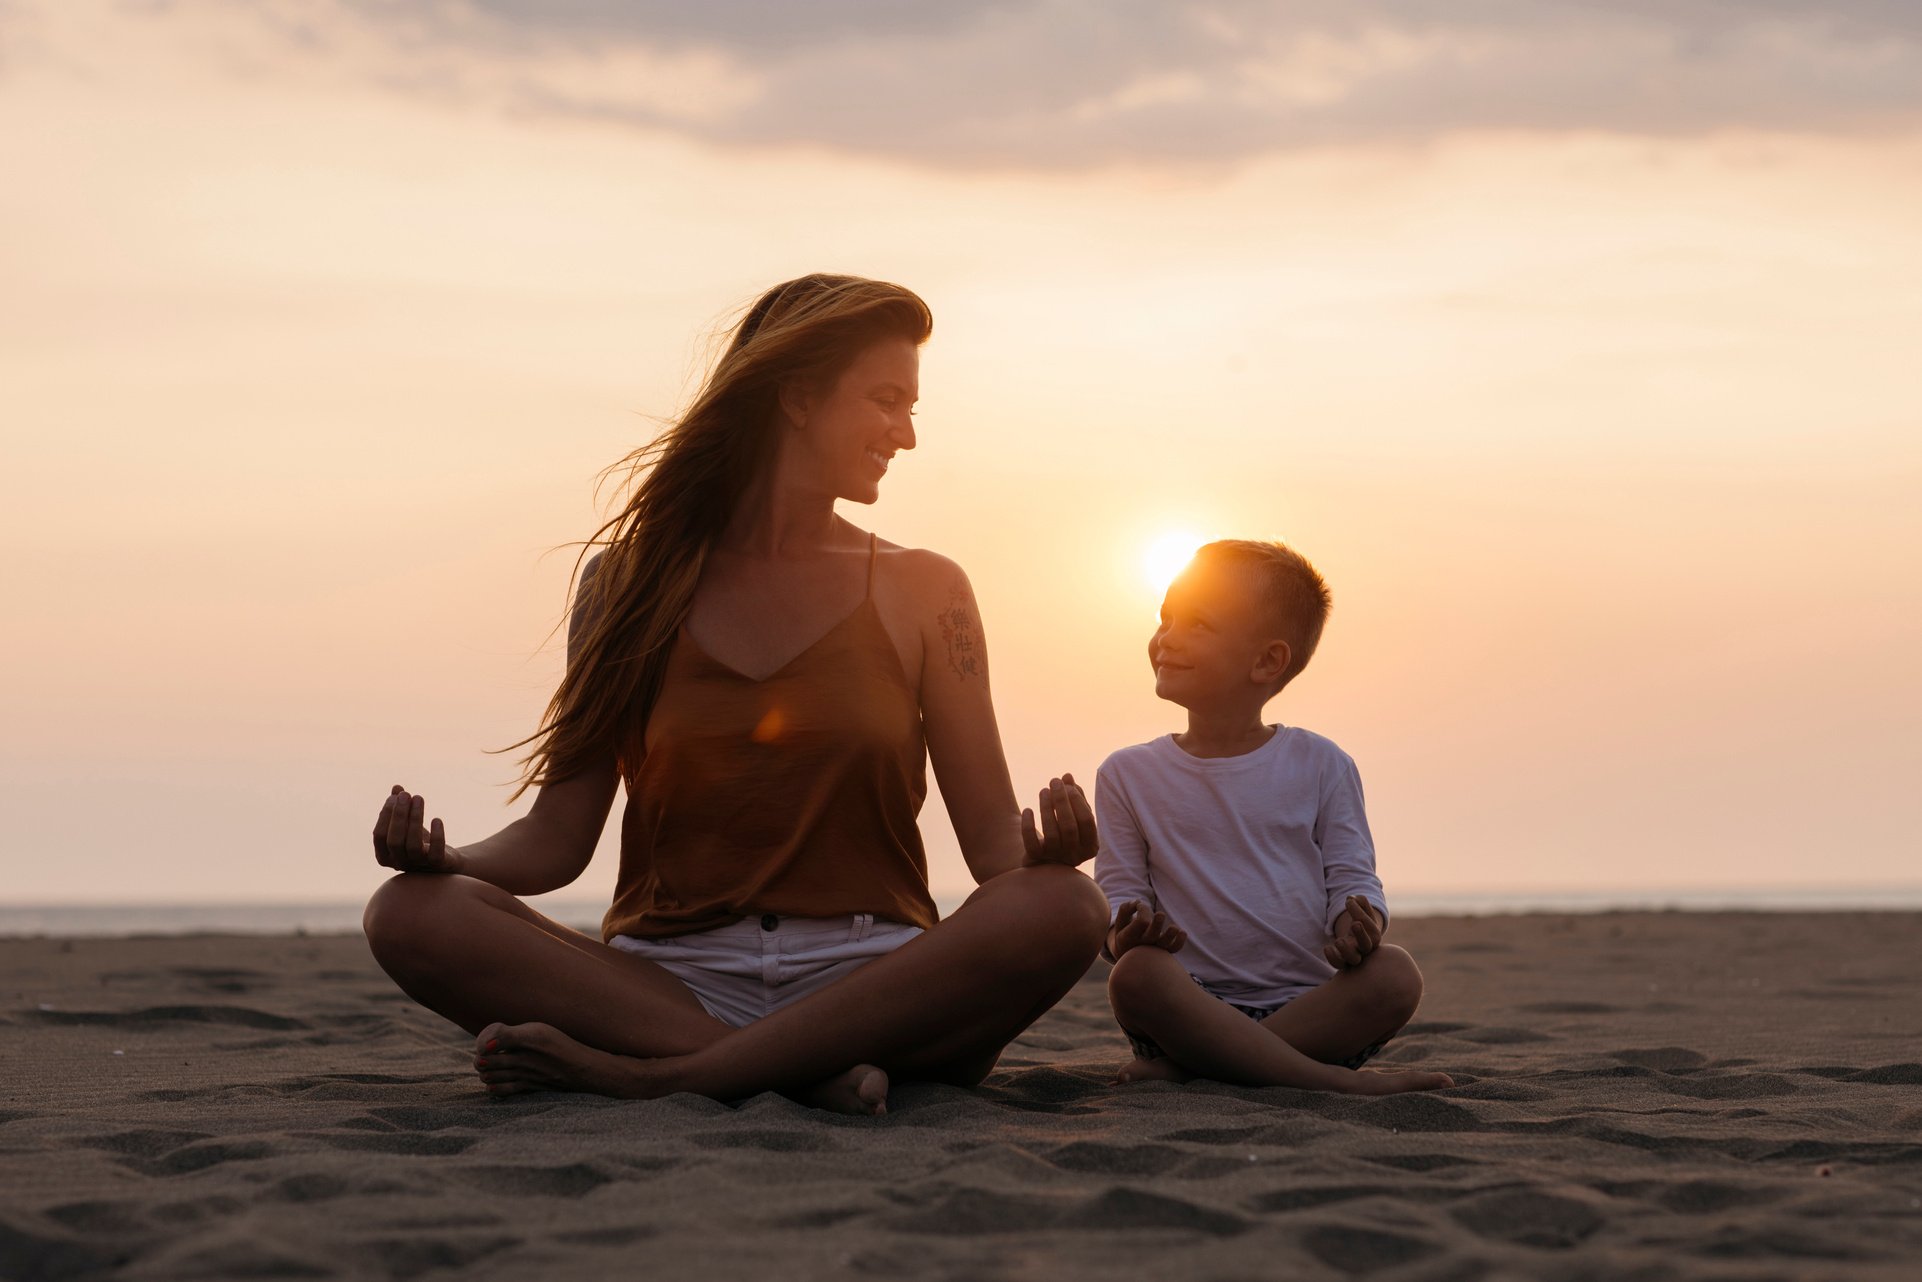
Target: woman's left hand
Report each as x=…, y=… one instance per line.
x=1067, y=835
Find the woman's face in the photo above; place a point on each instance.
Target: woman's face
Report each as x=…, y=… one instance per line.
x=848, y=434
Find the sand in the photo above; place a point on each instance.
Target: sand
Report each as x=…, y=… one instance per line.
x=1643, y=1096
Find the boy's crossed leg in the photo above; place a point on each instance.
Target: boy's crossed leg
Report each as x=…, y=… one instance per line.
x=1302, y=1044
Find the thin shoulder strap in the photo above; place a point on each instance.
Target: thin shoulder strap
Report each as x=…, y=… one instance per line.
x=874, y=545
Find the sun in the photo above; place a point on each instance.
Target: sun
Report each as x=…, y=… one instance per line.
x=1166, y=555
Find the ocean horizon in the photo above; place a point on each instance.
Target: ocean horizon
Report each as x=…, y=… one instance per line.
x=336, y=917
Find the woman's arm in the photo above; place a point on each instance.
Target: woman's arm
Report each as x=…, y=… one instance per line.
x=964, y=741
x=553, y=843
x=544, y=850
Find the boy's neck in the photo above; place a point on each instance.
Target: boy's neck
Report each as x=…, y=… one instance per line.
x=1223, y=732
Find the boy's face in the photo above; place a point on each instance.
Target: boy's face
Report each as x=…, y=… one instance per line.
x=1214, y=643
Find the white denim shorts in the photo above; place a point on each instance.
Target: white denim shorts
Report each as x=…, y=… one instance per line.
x=749, y=970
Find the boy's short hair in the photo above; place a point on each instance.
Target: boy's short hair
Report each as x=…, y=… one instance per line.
x=1293, y=592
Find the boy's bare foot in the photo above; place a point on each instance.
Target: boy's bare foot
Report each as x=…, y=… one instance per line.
x=862, y=1091
x=1382, y=1081
x=513, y=1058
x=1152, y=1070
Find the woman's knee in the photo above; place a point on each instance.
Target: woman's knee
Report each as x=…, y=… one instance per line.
x=1056, y=907
x=404, y=917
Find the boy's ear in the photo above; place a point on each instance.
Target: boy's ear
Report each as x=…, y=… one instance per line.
x=1271, y=662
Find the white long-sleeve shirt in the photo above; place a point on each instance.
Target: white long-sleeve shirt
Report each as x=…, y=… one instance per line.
x=1254, y=856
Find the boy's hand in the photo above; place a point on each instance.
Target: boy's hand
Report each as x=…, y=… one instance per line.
x=1067, y=833
x=1134, y=928
x=1357, y=934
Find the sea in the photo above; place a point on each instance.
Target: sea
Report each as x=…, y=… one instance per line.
x=99, y=920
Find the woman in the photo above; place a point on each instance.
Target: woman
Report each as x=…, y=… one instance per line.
x=767, y=680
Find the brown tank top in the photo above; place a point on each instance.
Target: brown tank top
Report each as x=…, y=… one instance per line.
x=795, y=794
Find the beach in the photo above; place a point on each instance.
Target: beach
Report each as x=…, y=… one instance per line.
x=1640, y=1096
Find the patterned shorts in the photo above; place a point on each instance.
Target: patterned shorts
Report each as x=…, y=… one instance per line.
x=1145, y=1049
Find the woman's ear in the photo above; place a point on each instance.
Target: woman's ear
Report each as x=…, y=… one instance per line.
x=795, y=403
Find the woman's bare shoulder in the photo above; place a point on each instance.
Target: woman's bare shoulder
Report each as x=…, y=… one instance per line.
x=922, y=574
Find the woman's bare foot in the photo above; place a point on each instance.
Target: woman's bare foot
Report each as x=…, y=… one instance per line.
x=862, y=1091
x=1152, y=1070
x=1382, y=1081
x=512, y=1058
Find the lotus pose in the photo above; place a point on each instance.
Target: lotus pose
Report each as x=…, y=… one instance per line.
x=1247, y=937
x=768, y=682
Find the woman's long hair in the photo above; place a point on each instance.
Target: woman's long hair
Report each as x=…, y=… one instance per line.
x=684, y=488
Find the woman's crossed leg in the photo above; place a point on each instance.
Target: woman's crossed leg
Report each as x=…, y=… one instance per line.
x=553, y=1009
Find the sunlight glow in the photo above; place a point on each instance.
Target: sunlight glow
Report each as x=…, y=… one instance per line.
x=1165, y=556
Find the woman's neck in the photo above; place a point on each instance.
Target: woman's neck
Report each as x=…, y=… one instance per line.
x=778, y=519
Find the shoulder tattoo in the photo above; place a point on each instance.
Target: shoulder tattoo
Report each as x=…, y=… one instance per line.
x=962, y=635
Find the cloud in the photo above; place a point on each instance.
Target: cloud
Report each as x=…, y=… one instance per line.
x=1051, y=84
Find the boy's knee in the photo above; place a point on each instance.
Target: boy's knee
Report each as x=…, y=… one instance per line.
x=1139, y=976
x=1394, y=982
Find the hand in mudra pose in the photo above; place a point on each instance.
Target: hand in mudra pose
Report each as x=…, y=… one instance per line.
x=403, y=843
x=1067, y=835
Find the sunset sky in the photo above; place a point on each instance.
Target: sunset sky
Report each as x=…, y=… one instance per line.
x=1575, y=344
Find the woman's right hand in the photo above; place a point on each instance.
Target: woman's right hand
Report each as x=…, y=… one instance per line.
x=403, y=843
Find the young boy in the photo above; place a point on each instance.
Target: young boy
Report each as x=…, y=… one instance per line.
x=1243, y=847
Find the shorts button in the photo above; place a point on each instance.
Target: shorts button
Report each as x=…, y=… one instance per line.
x=769, y=921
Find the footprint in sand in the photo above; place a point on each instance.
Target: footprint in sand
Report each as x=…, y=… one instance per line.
x=1421, y=1161
x=319, y=1186
x=1505, y=1036
x=1530, y=1218
x=400, y=1143
x=240, y=1016
x=1354, y=1249
x=1570, y=1008
x=1311, y=1196
x=167, y=1153
x=1778, y=1244
x=1422, y=1113
x=625, y=1235
x=406, y=1257
x=824, y=1218
x=1126, y=1208
x=52, y=1257
x=201, y=1157
x=100, y=1219
x=1706, y=1197
x=197, y=1210
x=1666, y=1059
x=1890, y=1075
x=967, y=1212
x=576, y=1179
x=766, y=1140
x=1090, y=1157
x=175, y=1152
